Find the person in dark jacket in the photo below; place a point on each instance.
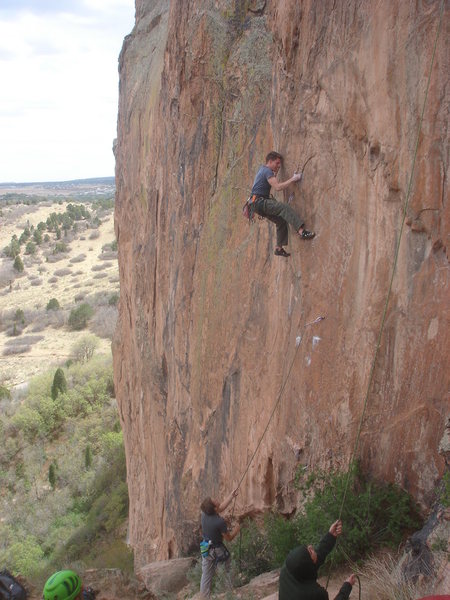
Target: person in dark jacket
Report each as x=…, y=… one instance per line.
x=298, y=576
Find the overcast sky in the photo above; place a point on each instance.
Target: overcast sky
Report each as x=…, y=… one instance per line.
x=59, y=87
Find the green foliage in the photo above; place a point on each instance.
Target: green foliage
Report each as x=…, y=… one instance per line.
x=282, y=537
x=46, y=441
x=13, y=249
x=59, y=385
x=37, y=236
x=23, y=557
x=53, y=304
x=251, y=552
x=60, y=246
x=83, y=350
x=5, y=394
x=18, y=264
x=88, y=457
x=52, y=475
x=373, y=514
x=79, y=317
x=19, y=316
x=30, y=248
x=445, y=486
x=113, y=299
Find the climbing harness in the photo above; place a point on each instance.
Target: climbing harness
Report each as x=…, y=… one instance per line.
x=248, y=210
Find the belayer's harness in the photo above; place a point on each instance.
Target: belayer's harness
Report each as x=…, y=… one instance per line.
x=218, y=552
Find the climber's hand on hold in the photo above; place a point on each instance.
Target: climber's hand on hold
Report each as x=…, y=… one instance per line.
x=352, y=579
x=297, y=176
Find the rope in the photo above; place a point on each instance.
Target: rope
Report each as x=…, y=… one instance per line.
x=280, y=395
x=388, y=296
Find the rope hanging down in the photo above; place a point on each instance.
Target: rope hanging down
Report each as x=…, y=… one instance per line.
x=397, y=250
x=388, y=296
x=280, y=395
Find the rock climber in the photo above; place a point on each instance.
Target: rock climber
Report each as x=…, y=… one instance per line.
x=279, y=213
x=213, y=550
x=298, y=576
x=67, y=585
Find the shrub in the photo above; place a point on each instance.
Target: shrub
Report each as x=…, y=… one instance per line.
x=30, y=248
x=53, y=304
x=63, y=272
x=113, y=299
x=59, y=385
x=18, y=264
x=60, y=247
x=374, y=513
x=5, y=394
x=52, y=475
x=84, y=349
x=88, y=457
x=19, y=316
x=445, y=493
x=80, y=316
x=104, y=322
x=251, y=552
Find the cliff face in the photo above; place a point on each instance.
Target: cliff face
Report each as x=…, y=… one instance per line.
x=210, y=318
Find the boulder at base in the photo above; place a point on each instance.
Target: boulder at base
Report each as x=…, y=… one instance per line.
x=165, y=576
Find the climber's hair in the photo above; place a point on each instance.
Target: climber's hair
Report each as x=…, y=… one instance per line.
x=273, y=156
x=208, y=507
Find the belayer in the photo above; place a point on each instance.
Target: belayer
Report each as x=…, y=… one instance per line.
x=212, y=548
x=263, y=203
x=298, y=576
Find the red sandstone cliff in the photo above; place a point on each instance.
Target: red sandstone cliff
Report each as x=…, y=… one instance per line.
x=209, y=317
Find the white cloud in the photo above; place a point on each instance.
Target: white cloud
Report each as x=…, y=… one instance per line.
x=58, y=107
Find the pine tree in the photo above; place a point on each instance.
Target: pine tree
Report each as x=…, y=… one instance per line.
x=52, y=475
x=59, y=383
x=88, y=457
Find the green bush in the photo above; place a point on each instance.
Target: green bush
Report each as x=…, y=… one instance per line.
x=60, y=246
x=5, y=394
x=445, y=493
x=373, y=514
x=59, y=385
x=53, y=304
x=30, y=248
x=113, y=299
x=251, y=552
x=79, y=317
x=18, y=264
x=19, y=316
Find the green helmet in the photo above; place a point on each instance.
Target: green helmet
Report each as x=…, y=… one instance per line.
x=63, y=585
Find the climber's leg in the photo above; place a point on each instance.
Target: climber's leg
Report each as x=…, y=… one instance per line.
x=208, y=570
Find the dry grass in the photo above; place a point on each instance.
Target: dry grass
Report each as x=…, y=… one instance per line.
x=384, y=580
x=19, y=291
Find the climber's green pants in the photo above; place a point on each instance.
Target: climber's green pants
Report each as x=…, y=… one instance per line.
x=281, y=214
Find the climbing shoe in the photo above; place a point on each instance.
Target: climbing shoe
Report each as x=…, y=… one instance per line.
x=307, y=235
x=281, y=252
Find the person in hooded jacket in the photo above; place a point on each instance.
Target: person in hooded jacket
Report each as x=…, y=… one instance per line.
x=298, y=576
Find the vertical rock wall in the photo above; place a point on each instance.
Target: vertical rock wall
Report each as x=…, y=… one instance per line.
x=210, y=318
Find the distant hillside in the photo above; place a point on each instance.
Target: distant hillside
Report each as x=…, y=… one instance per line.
x=76, y=188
